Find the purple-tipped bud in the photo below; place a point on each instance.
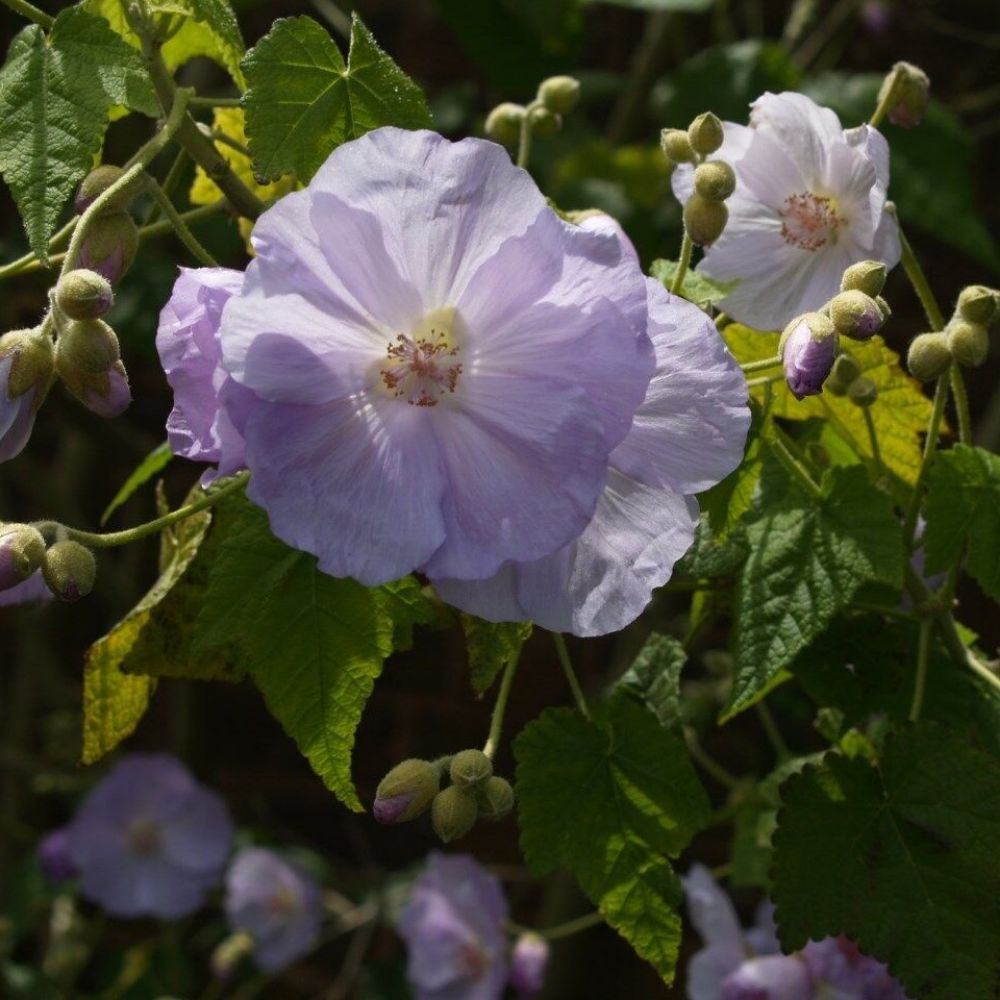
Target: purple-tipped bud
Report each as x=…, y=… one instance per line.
x=856, y=314
x=106, y=393
x=22, y=550
x=110, y=245
x=406, y=791
x=527, y=964
x=55, y=857
x=86, y=347
x=84, y=295
x=69, y=570
x=908, y=89
x=771, y=976
x=808, y=350
x=27, y=362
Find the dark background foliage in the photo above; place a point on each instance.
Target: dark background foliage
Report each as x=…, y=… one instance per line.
x=640, y=71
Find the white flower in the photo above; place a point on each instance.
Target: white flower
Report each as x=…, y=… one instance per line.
x=810, y=201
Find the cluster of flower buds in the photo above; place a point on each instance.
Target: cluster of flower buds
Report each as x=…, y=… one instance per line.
x=906, y=91
x=705, y=213
x=965, y=340
x=27, y=371
x=810, y=344
x=557, y=96
x=112, y=238
x=474, y=793
x=67, y=567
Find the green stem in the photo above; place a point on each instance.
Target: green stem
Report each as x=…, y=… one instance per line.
x=923, y=656
x=768, y=380
x=707, y=763
x=883, y=106
x=500, y=706
x=793, y=466
x=567, y=666
x=169, y=185
x=930, y=443
x=961, y=405
x=920, y=284
x=687, y=246
x=180, y=226
x=31, y=12
x=873, y=441
x=114, y=538
x=21, y=264
x=216, y=102
x=228, y=140
x=759, y=366
x=772, y=732
x=565, y=930
x=524, y=139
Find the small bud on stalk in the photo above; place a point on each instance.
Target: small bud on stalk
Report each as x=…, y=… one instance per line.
x=883, y=307
x=808, y=348
x=106, y=393
x=32, y=362
x=676, y=146
x=929, y=356
x=907, y=87
x=96, y=183
x=527, y=964
x=406, y=791
x=495, y=797
x=714, y=180
x=69, y=570
x=83, y=294
x=855, y=315
x=969, y=343
x=22, y=550
x=503, y=124
x=110, y=245
x=704, y=220
x=545, y=123
x=863, y=391
x=866, y=276
x=453, y=813
x=979, y=304
x=705, y=134
x=470, y=768
x=86, y=346
x=560, y=94
x=845, y=370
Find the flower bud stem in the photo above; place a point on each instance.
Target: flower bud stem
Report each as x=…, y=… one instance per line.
x=216, y=102
x=567, y=666
x=873, y=440
x=707, y=763
x=759, y=366
x=930, y=443
x=920, y=681
x=961, y=405
x=524, y=142
x=114, y=538
x=920, y=284
x=792, y=465
x=169, y=184
x=687, y=246
x=568, y=929
x=888, y=99
x=31, y=12
x=500, y=706
x=180, y=226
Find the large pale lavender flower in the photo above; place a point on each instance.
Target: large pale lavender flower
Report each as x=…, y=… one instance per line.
x=443, y=366
x=453, y=925
x=188, y=343
x=687, y=435
x=838, y=963
x=277, y=905
x=149, y=840
x=810, y=201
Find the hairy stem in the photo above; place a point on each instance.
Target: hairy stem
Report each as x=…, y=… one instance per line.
x=883, y=106
x=500, y=706
x=961, y=405
x=930, y=443
x=524, y=139
x=31, y=12
x=759, y=366
x=920, y=682
x=920, y=284
x=216, y=102
x=687, y=246
x=564, y=930
x=181, y=227
x=567, y=666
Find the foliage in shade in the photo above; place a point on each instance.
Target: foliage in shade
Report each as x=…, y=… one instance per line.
x=655, y=675
x=491, y=646
x=697, y=288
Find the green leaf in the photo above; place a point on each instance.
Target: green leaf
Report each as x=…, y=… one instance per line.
x=55, y=96
x=612, y=799
x=655, y=676
x=491, y=646
x=963, y=506
x=807, y=561
x=901, y=857
x=113, y=701
x=303, y=101
x=155, y=462
x=696, y=288
x=726, y=503
x=313, y=644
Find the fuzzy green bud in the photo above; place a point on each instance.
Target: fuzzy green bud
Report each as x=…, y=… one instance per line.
x=560, y=94
x=454, y=812
x=929, y=356
x=22, y=550
x=845, y=370
x=705, y=134
x=979, y=304
x=704, y=220
x=110, y=245
x=69, y=570
x=907, y=89
x=884, y=309
x=495, y=797
x=855, y=314
x=470, y=768
x=863, y=391
x=96, y=183
x=545, y=123
x=866, y=276
x=83, y=294
x=969, y=343
x=676, y=146
x=503, y=124
x=406, y=791
x=714, y=180
x=32, y=366
x=86, y=346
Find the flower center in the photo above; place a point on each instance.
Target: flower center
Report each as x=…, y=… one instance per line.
x=143, y=837
x=283, y=902
x=809, y=221
x=421, y=367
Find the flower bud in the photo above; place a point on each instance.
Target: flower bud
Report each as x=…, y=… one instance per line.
x=527, y=964
x=560, y=94
x=676, y=145
x=406, y=791
x=470, y=768
x=495, y=797
x=846, y=368
x=453, y=813
x=110, y=245
x=855, y=315
x=22, y=550
x=69, y=570
x=808, y=348
x=32, y=362
x=714, y=180
x=545, y=123
x=96, y=183
x=704, y=220
x=907, y=88
x=969, y=343
x=929, y=356
x=55, y=858
x=86, y=346
x=979, y=304
x=705, y=134
x=883, y=308
x=866, y=276
x=863, y=391
x=106, y=393
x=84, y=294
x=503, y=124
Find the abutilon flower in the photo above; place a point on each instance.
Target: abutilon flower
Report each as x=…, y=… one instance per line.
x=278, y=906
x=441, y=365
x=453, y=926
x=687, y=435
x=808, y=350
x=149, y=840
x=810, y=201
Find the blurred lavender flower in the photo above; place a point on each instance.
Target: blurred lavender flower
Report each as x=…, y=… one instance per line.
x=838, y=963
x=149, y=840
x=453, y=925
x=55, y=857
x=277, y=905
x=810, y=201
x=527, y=964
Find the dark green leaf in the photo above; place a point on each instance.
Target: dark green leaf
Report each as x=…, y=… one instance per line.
x=655, y=676
x=491, y=646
